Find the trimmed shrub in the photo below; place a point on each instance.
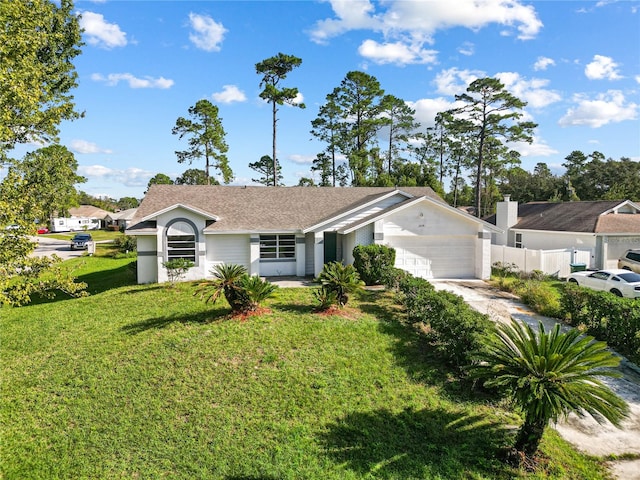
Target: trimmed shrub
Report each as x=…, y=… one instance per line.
x=126, y=243
x=373, y=262
x=453, y=327
x=607, y=317
x=177, y=268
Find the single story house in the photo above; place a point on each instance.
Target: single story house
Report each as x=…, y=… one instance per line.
x=606, y=227
x=84, y=217
x=285, y=231
x=121, y=219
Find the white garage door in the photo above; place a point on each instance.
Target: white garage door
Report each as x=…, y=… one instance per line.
x=434, y=256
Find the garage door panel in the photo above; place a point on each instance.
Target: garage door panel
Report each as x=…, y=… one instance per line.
x=435, y=256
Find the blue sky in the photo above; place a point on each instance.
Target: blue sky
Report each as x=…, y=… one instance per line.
x=576, y=63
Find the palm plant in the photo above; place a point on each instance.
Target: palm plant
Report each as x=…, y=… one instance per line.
x=550, y=375
x=255, y=291
x=227, y=282
x=341, y=279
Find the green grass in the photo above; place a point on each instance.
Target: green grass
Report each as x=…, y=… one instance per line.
x=151, y=382
x=98, y=235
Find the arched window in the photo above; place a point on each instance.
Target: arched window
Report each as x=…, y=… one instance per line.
x=182, y=241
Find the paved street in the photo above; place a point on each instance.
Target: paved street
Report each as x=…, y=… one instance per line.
x=49, y=246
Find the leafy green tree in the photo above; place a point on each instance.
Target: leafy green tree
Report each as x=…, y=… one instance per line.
x=206, y=139
x=21, y=274
x=549, y=375
x=195, y=176
x=490, y=115
x=50, y=173
x=399, y=118
x=327, y=128
x=324, y=165
x=273, y=71
x=38, y=43
x=358, y=98
x=159, y=179
x=125, y=203
x=264, y=166
x=306, y=182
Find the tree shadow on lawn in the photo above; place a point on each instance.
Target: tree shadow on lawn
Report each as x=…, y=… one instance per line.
x=208, y=316
x=426, y=443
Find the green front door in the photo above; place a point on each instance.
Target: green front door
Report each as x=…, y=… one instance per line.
x=330, y=247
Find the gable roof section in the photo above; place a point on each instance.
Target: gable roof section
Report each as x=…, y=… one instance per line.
x=581, y=217
x=88, y=211
x=408, y=203
x=254, y=209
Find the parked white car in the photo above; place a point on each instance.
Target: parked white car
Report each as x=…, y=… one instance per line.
x=622, y=283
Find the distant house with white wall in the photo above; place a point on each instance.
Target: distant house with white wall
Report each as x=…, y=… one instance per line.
x=121, y=219
x=84, y=217
x=282, y=231
x=606, y=227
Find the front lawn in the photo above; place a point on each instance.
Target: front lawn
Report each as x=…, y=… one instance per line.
x=151, y=382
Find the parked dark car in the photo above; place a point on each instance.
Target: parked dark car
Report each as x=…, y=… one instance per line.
x=81, y=241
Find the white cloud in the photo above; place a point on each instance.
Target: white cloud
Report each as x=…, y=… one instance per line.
x=454, y=81
x=83, y=146
x=229, y=94
x=427, y=108
x=467, y=48
x=407, y=25
x=537, y=148
x=130, y=177
x=134, y=82
x=543, y=63
x=101, y=33
x=602, y=67
x=207, y=33
x=531, y=91
x=396, y=52
x=608, y=107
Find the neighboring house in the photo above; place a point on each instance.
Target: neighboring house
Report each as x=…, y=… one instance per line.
x=607, y=227
x=121, y=219
x=282, y=231
x=84, y=217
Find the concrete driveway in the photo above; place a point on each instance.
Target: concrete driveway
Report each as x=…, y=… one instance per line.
x=584, y=433
x=48, y=246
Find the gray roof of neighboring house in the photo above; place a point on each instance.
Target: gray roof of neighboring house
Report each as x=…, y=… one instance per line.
x=255, y=208
x=123, y=214
x=583, y=217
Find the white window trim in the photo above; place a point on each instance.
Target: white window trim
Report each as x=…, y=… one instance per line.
x=168, y=249
x=290, y=246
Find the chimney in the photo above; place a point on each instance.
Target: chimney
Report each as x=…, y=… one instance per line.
x=506, y=217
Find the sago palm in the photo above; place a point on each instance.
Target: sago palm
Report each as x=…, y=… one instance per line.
x=341, y=279
x=550, y=375
x=228, y=282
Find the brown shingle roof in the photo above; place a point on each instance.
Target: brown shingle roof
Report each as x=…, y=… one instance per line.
x=266, y=208
x=583, y=217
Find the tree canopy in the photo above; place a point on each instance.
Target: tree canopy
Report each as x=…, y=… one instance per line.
x=274, y=70
x=206, y=138
x=38, y=43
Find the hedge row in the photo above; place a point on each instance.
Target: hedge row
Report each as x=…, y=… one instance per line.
x=453, y=327
x=609, y=318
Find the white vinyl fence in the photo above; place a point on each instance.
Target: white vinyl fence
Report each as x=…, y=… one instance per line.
x=551, y=262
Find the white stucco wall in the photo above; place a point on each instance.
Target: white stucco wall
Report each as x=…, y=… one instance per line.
x=147, y=264
x=163, y=221
x=555, y=240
